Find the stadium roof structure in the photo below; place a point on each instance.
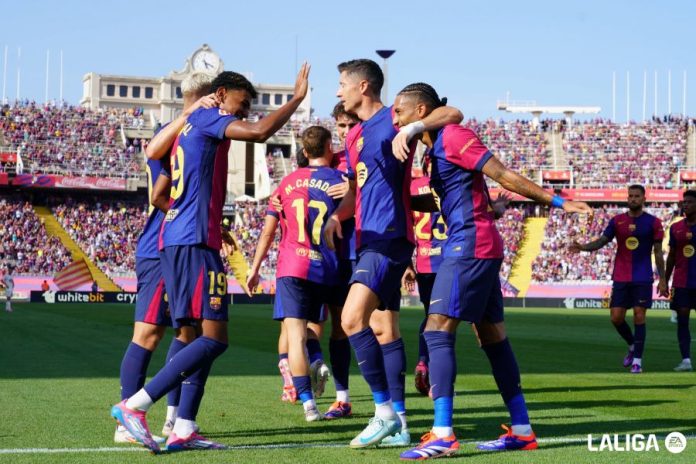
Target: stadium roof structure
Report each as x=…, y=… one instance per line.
x=537, y=110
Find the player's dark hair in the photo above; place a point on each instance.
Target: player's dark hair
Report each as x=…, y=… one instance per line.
x=339, y=111
x=365, y=69
x=637, y=187
x=302, y=160
x=690, y=193
x=231, y=80
x=314, y=140
x=424, y=93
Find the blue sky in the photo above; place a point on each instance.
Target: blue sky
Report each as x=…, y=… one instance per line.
x=473, y=52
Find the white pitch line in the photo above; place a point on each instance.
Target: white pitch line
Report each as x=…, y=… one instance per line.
x=114, y=449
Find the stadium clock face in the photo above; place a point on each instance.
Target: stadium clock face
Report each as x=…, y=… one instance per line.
x=205, y=61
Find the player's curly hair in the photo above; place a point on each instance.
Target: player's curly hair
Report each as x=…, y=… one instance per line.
x=690, y=193
x=424, y=93
x=367, y=70
x=339, y=111
x=231, y=80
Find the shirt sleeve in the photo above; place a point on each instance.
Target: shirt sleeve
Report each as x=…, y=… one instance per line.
x=463, y=148
x=610, y=231
x=212, y=122
x=658, y=231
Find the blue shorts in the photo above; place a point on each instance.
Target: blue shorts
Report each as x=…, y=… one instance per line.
x=628, y=295
x=301, y=299
x=468, y=289
x=345, y=271
x=684, y=298
x=196, y=283
x=381, y=266
x=425, y=288
x=151, y=306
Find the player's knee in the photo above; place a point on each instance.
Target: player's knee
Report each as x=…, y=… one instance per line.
x=436, y=322
x=351, y=325
x=186, y=334
x=617, y=319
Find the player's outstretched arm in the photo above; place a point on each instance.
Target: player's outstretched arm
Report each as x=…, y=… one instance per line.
x=160, y=193
x=265, y=240
x=660, y=265
x=438, y=118
x=264, y=128
x=162, y=142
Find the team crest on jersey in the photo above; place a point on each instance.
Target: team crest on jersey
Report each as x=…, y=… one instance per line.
x=632, y=243
x=424, y=251
x=359, y=144
x=361, y=169
x=215, y=303
x=689, y=251
x=171, y=214
x=689, y=235
x=631, y=227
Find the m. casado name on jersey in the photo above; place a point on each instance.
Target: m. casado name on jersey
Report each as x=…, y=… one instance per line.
x=308, y=183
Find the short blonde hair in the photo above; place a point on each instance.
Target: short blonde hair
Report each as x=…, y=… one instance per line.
x=198, y=83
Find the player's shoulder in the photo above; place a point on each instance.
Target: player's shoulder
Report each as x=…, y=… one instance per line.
x=353, y=134
x=208, y=115
x=457, y=132
x=679, y=224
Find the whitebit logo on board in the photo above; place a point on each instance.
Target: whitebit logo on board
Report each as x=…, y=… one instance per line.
x=569, y=303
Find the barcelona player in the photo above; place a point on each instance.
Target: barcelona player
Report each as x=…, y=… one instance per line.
x=151, y=309
x=681, y=261
x=190, y=242
x=638, y=234
x=307, y=270
x=379, y=201
x=467, y=286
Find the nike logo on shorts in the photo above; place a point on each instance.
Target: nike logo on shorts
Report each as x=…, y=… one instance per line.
x=432, y=302
x=361, y=270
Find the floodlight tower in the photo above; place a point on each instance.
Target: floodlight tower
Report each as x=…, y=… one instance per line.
x=385, y=54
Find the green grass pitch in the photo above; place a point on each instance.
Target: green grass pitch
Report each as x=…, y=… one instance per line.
x=59, y=376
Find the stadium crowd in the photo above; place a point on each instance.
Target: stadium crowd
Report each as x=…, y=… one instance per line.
x=107, y=231
x=70, y=140
x=24, y=243
x=555, y=262
x=604, y=154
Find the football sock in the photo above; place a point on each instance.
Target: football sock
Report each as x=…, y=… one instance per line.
x=422, y=345
x=187, y=361
x=443, y=362
x=343, y=396
x=314, y=350
x=371, y=363
x=507, y=376
x=303, y=385
x=339, y=355
x=385, y=410
x=637, y=362
x=174, y=394
x=684, y=336
x=171, y=413
x=192, y=390
x=395, y=368
x=625, y=331
x=133, y=369
x=444, y=410
x=639, y=343
x=183, y=427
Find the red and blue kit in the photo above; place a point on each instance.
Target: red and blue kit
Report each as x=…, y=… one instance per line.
x=307, y=269
x=151, y=305
x=467, y=285
x=682, y=239
x=633, y=271
x=383, y=222
x=190, y=238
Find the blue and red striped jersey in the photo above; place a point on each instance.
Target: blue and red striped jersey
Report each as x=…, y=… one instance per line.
x=306, y=206
x=457, y=159
x=430, y=231
x=199, y=178
x=682, y=239
x=635, y=237
x=382, y=203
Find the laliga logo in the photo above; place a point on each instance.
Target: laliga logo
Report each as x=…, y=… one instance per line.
x=675, y=443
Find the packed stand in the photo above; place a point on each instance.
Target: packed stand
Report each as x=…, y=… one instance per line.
x=511, y=228
x=246, y=226
x=24, y=243
x=557, y=264
x=603, y=154
x=71, y=140
x=107, y=231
